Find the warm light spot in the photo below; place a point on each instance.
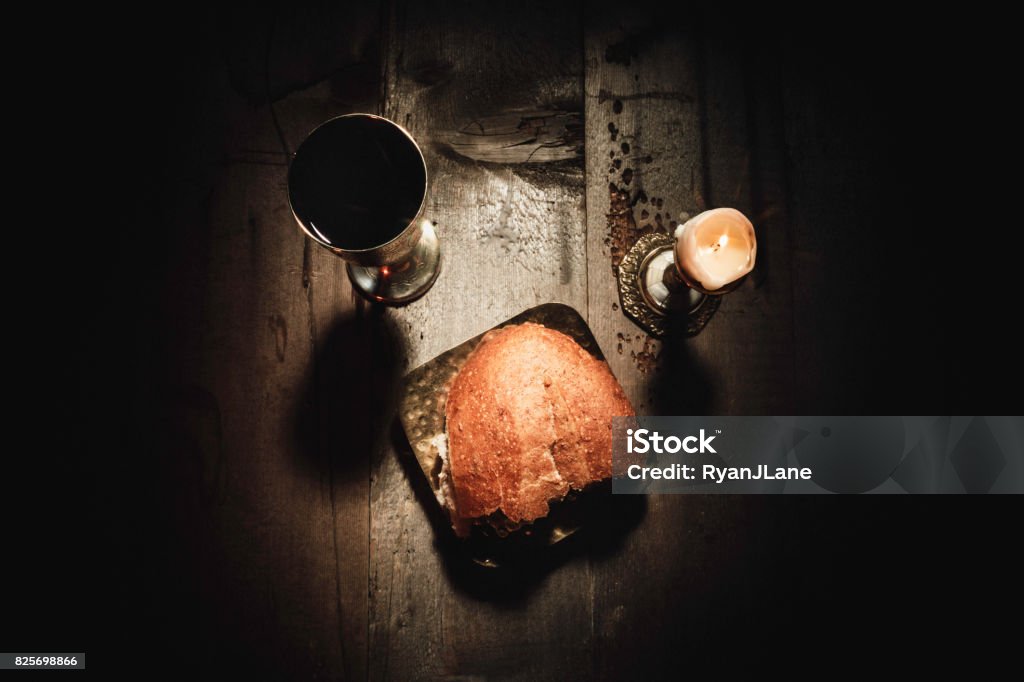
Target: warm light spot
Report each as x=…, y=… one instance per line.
x=385, y=271
x=319, y=233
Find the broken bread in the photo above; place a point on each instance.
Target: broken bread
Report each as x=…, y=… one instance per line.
x=528, y=418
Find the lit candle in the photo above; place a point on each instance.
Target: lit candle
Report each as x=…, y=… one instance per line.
x=715, y=248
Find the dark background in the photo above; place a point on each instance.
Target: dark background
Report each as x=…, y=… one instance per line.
x=922, y=283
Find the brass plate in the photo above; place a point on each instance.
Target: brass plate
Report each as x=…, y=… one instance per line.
x=421, y=412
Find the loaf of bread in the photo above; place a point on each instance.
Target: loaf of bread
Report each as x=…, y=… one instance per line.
x=528, y=418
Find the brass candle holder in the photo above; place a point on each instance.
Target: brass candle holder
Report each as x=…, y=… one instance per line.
x=663, y=277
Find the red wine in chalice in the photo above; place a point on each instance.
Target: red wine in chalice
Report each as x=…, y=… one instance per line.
x=357, y=182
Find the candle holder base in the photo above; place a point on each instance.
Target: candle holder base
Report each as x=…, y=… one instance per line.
x=652, y=294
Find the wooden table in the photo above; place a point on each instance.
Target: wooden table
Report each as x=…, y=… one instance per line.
x=291, y=541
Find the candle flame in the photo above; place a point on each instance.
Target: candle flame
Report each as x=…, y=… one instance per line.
x=720, y=244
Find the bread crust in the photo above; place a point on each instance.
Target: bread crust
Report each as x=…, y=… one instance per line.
x=528, y=418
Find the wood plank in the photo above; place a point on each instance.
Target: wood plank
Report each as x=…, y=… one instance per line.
x=256, y=413
x=748, y=347
x=641, y=110
x=700, y=134
x=847, y=334
x=285, y=515
x=512, y=235
x=644, y=171
x=688, y=150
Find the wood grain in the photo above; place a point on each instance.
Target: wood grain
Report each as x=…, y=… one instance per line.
x=675, y=102
x=275, y=512
x=518, y=136
x=644, y=170
x=643, y=111
x=749, y=349
x=512, y=231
